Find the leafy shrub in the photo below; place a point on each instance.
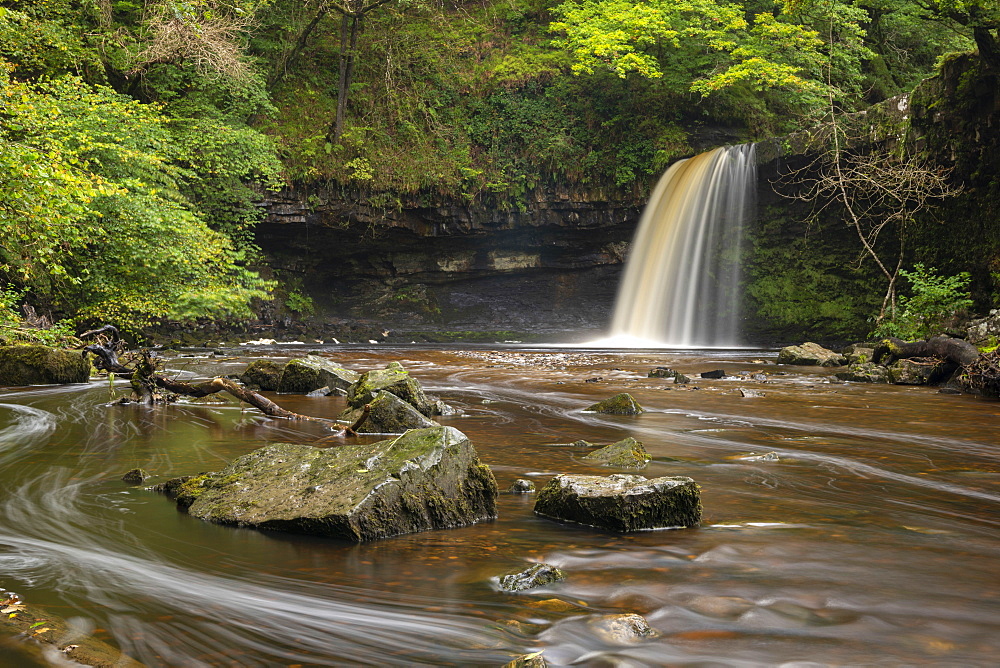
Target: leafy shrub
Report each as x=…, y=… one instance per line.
x=935, y=302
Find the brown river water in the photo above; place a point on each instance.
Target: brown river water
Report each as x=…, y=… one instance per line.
x=873, y=539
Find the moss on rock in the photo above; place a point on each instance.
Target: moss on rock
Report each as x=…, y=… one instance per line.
x=311, y=372
x=626, y=453
x=393, y=379
x=536, y=575
x=425, y=479
x=41, y=365
x=621, y=502
x=389, y=415
x=620, y=404
x=262, y=374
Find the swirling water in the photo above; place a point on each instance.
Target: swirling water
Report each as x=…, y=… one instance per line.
x=874, y=538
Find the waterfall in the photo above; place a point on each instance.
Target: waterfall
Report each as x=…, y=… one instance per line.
x=681, y=282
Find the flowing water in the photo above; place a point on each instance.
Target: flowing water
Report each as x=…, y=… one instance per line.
x=874, y=539
x=681, y=283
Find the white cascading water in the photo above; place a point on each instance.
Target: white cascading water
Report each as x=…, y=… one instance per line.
x=680, y=287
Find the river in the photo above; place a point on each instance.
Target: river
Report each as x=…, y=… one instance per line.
x=874, y=538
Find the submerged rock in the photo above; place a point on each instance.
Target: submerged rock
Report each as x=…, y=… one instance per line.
x=425, y=479
x=744, y=392
x=620, y=404
x=534, y=660
x=389, y=415
x=393, y=379
x=41, y=365
x=521, y=486
x=621, y=502
x=866, y=372
x=262, y=374
x=810, y=354
x=136, y=476
x=536, y=575
x=667, y=372
x=627, y=453
x=310, y=373
x=621, y=629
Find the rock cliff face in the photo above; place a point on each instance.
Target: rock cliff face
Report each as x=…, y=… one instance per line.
x=447, y=265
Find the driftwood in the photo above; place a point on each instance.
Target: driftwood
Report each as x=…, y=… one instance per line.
x=956, y=351
x=144, y=379
x=982, y=377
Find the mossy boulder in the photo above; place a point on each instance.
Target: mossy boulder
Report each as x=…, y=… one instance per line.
x=395, y=380
x=626, y=453
x=620, y=404
x=810, y=354
x=858, y=353
x=263, y=375
x=311, y=372
x=620, y=502
x=41, y=365
x=425, y=479
x=919, y=371
x=865, y=373
x=536, y=575
x=389, y=415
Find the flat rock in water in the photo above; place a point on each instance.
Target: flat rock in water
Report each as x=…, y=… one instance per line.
x=42, y=365
x=263, y=374
x=717, y=373
x=389, y=415
x=395, y=380
x=425, y=479
x=536, y=575
x=621, y=502
x=626, y=453
x=620, y=404
x=311, y=372
x=810, y=354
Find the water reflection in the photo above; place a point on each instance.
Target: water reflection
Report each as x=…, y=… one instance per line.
x=871, y=535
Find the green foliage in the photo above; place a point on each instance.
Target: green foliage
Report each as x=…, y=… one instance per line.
x=92, y=215
x=299, y=303
x=935, y=302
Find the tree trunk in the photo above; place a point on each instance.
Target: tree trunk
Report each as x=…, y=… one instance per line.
x=350, y=26
x=946, y=348
x=281, y=68
x=989, y=48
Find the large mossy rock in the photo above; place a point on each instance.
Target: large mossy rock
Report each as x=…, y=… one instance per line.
x=395, y=380
x=389, y=415
x=810, y=354
x=919, y=371
x=41, y=365
x=621, y=502
x=262, y=374
x=626, y=453
x=865, y=373
x=620, y=404
x=425, y=479
x=311, y=373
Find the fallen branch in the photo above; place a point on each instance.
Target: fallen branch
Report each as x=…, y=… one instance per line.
x=945, y=348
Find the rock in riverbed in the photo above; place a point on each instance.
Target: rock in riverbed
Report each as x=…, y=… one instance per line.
x=810, y=354
x=620, y=404
x=425, y=479
x=263, y=374
x=627, y=453
x=313, y=372
x=536, y=575
x=389, y=415
x=621, y=502
x=41, y=365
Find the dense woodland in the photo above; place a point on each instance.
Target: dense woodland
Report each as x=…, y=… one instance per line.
x=138, y=138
